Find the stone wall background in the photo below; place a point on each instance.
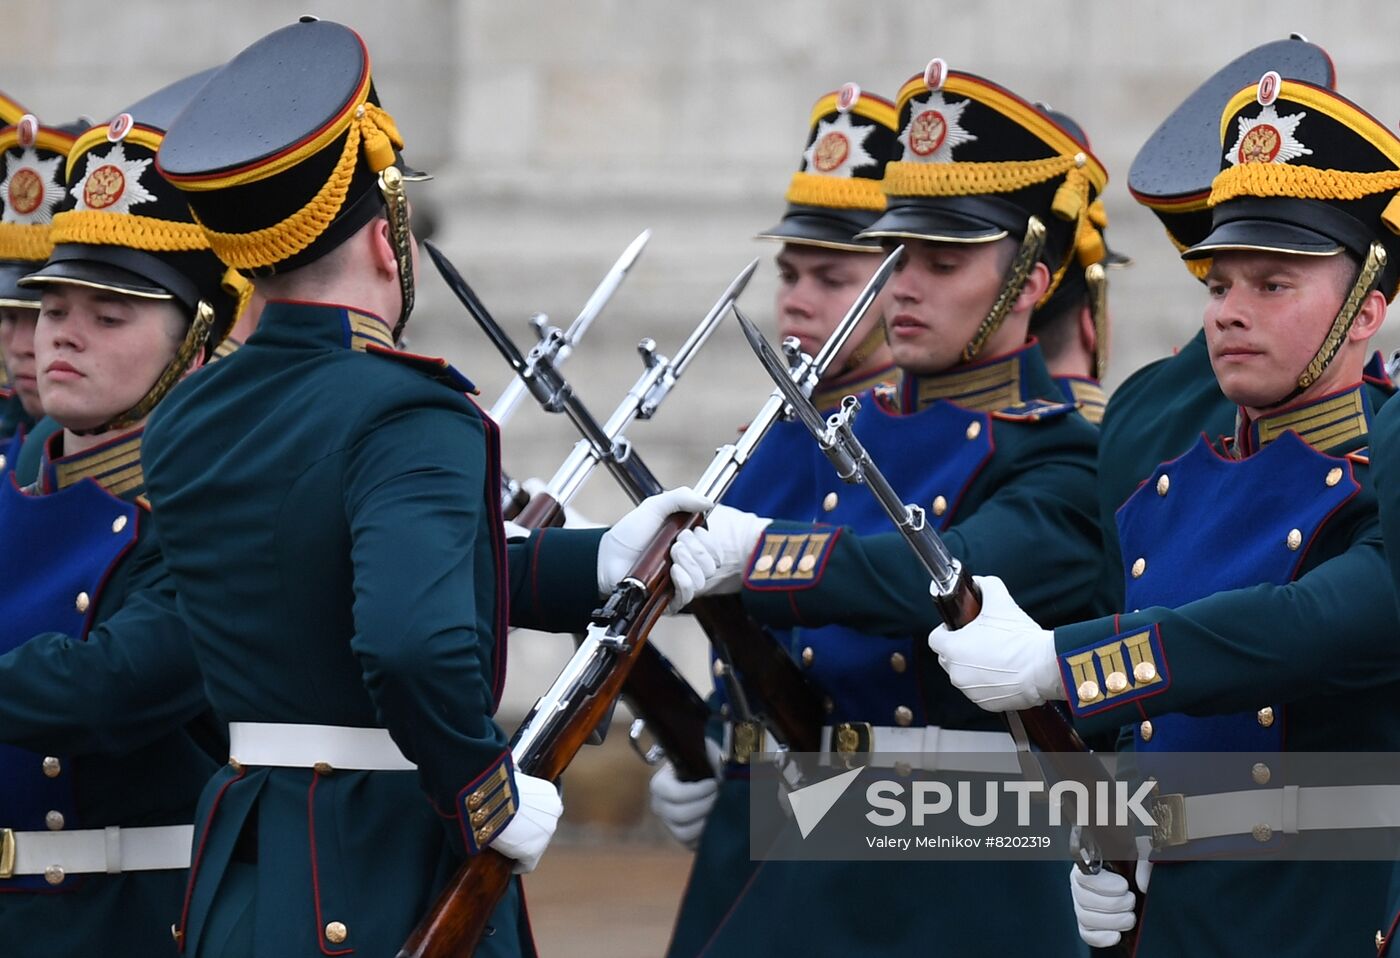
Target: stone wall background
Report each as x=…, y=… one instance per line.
x=558, y=130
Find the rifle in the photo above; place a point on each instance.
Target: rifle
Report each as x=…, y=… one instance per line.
x=761, y=668
x=513, y=496
x=658, y=693
x=662, y=699
x=585, y=691
x=956, y=597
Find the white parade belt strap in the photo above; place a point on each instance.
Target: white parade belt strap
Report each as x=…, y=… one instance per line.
x=1263, y=812
x=95, y=850
x=929, y=748
x=315, y=746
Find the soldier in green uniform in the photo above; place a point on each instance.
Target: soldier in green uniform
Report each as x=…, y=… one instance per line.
x=822, y=267
x=107, y=737
x=1160, y=410
x=329, y=507
x=992, y=200
x=1235, y=627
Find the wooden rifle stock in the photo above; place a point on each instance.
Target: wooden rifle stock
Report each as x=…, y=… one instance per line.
x=673, y=711
x=455, y=924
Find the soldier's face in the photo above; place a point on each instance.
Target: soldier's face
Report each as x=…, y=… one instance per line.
x=17, y=342
x=1266, y=317
x=816, y=288
x=98, y=352
x=939, y=296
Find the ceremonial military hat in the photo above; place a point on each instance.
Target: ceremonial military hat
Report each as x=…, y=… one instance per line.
x=122, y=227
x=32, y=163
x=1304, y=170
x=286, y=152
x=979, y=164
x=836, y=193
x=1086, y=278
x=1173, y=171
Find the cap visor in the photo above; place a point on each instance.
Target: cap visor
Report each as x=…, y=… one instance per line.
x=812, y=229
x=935, y=225
x=11, y=295
x=1264, y=235
x=94, y=276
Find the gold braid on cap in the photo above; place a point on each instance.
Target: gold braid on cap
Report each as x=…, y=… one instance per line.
x=100, y=228
x=26, y=241
x=1026, y=257
x=1300, y=182
x=1071, y=202
x=372, y=129
x=195, y=339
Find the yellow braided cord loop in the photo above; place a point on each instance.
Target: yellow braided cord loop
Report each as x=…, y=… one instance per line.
x=1301, y=182
x=272, y=244
x=26, y=241
x=903, y=178
x=1098, y=214
x=127, y=229
x=1199, y=267
x=835, y=192
x=240, y=289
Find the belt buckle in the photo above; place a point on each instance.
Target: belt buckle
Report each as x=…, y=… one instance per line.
x=7, y=853
x=852, y=738
x=1169, y=813
x=746, y=739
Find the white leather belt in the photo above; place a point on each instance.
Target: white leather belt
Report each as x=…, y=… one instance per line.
x=930, y=747
x=1263, y=812
x=95, y=850
x=312, y=746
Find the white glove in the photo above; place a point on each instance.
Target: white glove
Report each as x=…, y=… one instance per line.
x=624, y=543
x=1001, y=660
x=1103, y=904
x=711, y=560
x=515, y=530
x=683, y=807
x=527, y=835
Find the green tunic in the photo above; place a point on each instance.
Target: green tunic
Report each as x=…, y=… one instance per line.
x=327, y=506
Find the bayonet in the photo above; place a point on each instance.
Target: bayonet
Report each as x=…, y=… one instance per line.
x=505, y=406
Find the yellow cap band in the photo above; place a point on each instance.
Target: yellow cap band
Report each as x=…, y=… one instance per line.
x=26, y=241
x=1301, y=182
x=127, y=229
x=836, y=192
x=903, y=178
x=272, y=244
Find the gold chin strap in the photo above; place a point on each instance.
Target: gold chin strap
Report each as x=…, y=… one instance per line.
x=195, y=340
x=1031, y=245
x=1096, y=277
x=1365, y=282
x=396, y=202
